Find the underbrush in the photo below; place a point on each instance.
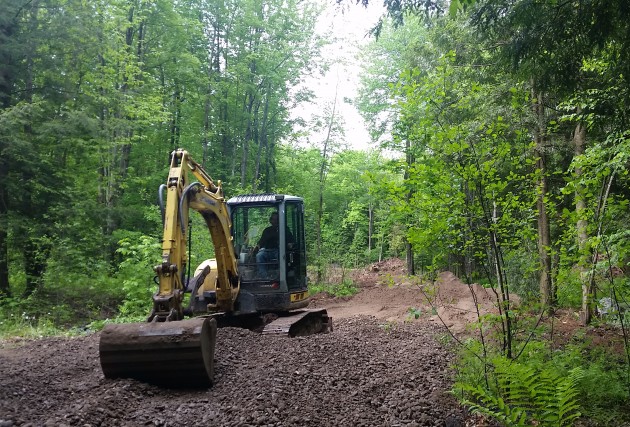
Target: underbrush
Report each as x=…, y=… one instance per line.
x=544, y=386
x=56, y=312
x=345, y=288
x=335, y=280
x=84, y=300
x=71, y=302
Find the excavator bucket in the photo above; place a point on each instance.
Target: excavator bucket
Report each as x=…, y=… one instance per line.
x=172, y=354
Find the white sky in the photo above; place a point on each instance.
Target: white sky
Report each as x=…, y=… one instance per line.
x=349, y=24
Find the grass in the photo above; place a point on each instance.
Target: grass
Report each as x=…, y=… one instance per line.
x=346, y=288
x=25, y=327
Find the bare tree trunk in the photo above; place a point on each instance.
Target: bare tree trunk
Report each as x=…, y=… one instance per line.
x=411, y=268
x=132, y=34
x=270, y=137
x=544, y=232
x=7, y=75
x=259, y=143
x=213, y=71
x=264, y=141
x=322, y=181
x=205, y=142
x=588, y=290
x=370, y=226
x=249, y=132
x=5, y=288
x=32, y=251
x=175, y=120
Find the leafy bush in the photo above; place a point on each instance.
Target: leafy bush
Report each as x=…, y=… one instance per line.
x=135, y=274
x=63, y=302
x=345, y=288
x=523, y=395
x=569, y=287
x=518, y=392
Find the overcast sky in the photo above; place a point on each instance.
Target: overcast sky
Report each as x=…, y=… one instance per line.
x=349, y=24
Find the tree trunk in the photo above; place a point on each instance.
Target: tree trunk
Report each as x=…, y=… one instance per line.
x=34, y=266
x=6, y=83
x=32, y=252
x=206, y=130
x=5, y=288
x=249, y=105
x=370, y=226
x=259, y=144
x=264, y=140
x=544, y=233
x=175, y=119
x=213, y=73
x=322, y=180
x=588, y=291
x=411, y=269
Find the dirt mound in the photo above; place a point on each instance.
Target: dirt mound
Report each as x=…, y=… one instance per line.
x=388, y=294
x=459, y=305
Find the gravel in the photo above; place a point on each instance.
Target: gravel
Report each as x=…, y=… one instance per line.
x=361, y=374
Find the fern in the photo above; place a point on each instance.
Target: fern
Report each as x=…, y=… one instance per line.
x=524, y=395
x=489, y=405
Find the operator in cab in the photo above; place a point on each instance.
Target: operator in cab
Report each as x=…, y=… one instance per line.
x=268, y=245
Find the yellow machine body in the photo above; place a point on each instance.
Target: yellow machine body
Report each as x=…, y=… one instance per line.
x=169, y=350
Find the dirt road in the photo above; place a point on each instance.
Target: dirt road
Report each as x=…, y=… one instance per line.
x=377, y=368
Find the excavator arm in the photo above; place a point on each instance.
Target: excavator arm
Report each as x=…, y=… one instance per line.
x=205, y=197
x=167, y=350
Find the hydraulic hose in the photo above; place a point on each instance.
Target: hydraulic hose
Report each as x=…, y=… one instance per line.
x=161, y=190
x=183, y=200
x=189, y=257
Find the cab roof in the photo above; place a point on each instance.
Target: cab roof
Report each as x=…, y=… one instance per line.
x=264, y=198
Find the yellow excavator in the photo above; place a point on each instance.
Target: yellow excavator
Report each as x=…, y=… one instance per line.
x=257, y=280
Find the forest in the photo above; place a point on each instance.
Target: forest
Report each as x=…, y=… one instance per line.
x=500, y=145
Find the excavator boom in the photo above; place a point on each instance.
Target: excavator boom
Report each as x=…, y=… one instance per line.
x=167, y=349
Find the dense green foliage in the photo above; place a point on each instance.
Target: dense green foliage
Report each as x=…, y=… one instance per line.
x=510, y=118
x=93, y=98
x=528, y=396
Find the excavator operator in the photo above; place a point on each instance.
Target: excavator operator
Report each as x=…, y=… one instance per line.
x=267, y=247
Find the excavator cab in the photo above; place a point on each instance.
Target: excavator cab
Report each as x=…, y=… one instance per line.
x=268, y=237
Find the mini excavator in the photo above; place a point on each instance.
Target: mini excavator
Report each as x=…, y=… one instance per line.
x=245, y=285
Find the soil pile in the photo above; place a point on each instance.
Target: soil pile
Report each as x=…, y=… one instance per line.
x=388, y=294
